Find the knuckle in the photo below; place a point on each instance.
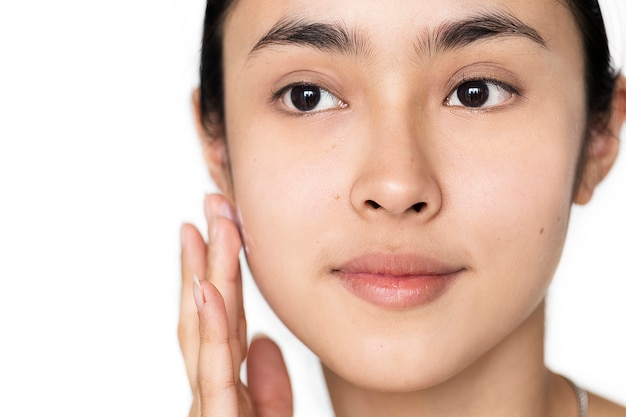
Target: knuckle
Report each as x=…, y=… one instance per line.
x=210, y=389
x=216, y=339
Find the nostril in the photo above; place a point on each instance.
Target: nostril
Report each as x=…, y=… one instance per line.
x=418, y=207
x=373, y=204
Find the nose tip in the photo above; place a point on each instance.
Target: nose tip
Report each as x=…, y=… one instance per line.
x=396, y=192
x=393, y=187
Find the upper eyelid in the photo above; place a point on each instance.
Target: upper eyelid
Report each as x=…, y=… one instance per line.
x=324, y=77
x=277, y=94
x=506, y=86
x=487, y=71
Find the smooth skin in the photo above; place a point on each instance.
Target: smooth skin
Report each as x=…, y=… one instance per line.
x=478, y=350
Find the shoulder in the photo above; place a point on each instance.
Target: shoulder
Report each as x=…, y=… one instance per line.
x=601, y=407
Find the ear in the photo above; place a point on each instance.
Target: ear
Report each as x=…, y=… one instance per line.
x=603, y=147
x=214, y=149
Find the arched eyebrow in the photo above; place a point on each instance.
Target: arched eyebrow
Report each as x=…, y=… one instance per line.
x=457, y=34
x=335, y=37
x=331, y=37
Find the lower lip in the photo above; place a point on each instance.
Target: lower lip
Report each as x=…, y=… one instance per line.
x=397, y=292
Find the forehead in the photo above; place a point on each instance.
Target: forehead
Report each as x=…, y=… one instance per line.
x=389, y=22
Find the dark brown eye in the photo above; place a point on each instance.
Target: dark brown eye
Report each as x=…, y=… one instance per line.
x=473, y=93
x=478, y=94
x=305, y=97
x=310, y=98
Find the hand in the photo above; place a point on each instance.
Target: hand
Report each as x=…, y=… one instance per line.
x=212, y=333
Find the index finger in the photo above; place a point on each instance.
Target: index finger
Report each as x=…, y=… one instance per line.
x=193, y=262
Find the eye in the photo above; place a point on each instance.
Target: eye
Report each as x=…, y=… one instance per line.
x=480, y=94
x=309, y=98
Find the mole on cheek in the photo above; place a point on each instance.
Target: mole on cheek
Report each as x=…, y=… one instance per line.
x=541, y=231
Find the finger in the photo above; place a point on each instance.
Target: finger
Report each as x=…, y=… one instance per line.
x=223, y=269
x=217, y=379
x=268, y=380
x=194, y=411
x=193, y=262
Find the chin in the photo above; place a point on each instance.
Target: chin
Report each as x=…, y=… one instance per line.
x=390, y=375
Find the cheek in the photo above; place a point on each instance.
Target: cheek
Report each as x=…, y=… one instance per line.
x=279, y=200
x=287, y=185
x=513, y=211
x=286, y=201
x=519, y=226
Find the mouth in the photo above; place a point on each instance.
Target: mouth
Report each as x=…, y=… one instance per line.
x=397, y=282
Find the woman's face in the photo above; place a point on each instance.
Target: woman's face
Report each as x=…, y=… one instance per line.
x=403, y=172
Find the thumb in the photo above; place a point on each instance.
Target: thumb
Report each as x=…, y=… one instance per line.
x=268, y=380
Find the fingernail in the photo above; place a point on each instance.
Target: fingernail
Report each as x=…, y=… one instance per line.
x=226, y=211
x=198, y=293
x=223, y=209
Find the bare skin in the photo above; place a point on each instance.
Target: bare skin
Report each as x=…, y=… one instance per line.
x=216, y=387
x=269, y=393
x=478, y=349
x=214, y=354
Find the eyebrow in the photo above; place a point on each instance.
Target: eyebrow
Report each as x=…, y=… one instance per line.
x=457, y=34
x=337, y=38
x=332, y=37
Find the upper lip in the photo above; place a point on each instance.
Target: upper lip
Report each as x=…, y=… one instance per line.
x=400, y=265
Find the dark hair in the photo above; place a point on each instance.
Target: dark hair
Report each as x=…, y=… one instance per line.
x=600, y=76
x=211, y=73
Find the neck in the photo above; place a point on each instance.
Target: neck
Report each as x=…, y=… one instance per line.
x=509, y=380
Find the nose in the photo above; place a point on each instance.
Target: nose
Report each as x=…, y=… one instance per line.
x=396, y=175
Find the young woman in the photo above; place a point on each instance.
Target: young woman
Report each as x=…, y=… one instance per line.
x=400, y=175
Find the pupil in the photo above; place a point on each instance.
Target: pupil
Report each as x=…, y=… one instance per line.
x=305, y=97
x=473, y=94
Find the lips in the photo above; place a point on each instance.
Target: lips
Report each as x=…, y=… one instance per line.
x=397, y=281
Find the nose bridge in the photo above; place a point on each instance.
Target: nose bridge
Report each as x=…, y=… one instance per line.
x=396, y=176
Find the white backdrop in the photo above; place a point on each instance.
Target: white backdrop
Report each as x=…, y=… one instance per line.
x=99, y=165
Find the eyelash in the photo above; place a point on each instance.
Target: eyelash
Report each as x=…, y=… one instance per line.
x=279, y=95
x=499, y=84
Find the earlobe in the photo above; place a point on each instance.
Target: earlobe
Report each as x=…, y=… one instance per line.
x=213, y=148
x=603, y=147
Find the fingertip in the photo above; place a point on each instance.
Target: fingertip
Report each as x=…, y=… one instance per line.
x=212, y=314
x=207, y=294
x=260, y=336
x=263, y=343
x=226, y=210
x=229, y=233
x=190, y=236
x=216, y=205
x=268, y=378
x=185, y=235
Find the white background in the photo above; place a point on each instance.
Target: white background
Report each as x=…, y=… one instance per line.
x=99, y=165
